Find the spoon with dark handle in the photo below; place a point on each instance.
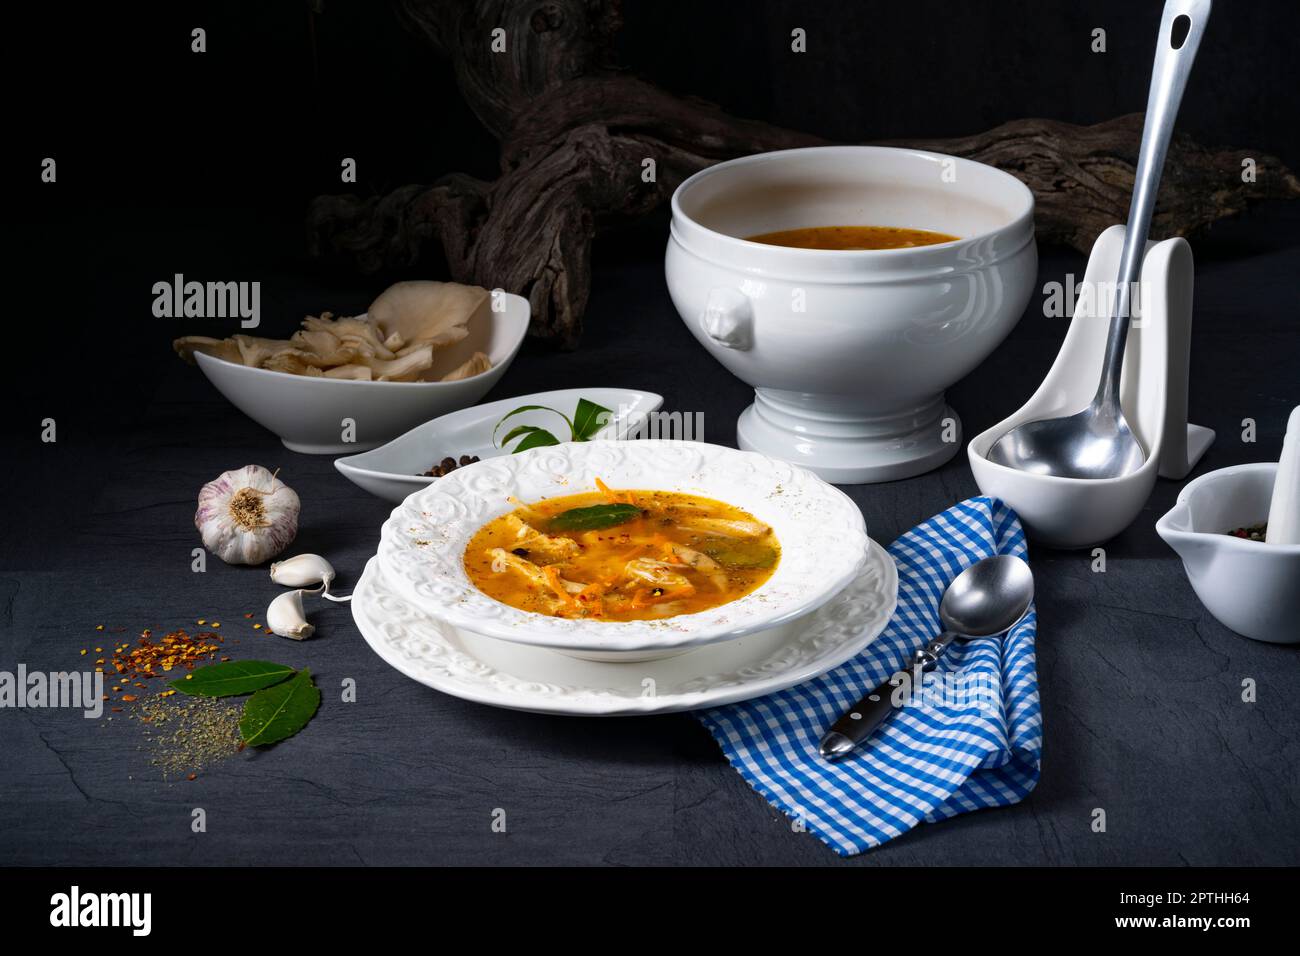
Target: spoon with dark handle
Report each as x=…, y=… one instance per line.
x=1098, y=442
x=988, y=598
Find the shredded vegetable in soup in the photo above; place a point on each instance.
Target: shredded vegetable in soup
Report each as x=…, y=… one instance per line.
x=621, y=555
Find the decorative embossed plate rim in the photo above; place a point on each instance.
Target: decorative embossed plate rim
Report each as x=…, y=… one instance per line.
x=433, y=653
x=822, y=534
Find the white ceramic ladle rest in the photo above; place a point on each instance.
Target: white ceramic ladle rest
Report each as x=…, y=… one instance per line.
x=1078, y=513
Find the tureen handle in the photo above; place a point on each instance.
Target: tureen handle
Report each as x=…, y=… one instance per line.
x=729, y=318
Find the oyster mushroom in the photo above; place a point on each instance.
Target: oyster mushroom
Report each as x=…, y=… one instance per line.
x=405, y=368
x=360, y=373
x=354, y=333
x=331, y=349
x=477, y=364
x=422, y=312
x=274, y=353
x=225, y=349
x=395, y=341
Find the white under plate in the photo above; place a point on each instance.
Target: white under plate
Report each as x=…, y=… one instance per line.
x=537, y=679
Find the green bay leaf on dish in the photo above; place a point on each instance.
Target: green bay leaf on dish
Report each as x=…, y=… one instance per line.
x=232, y=677
x=279, y=712
x=743, y=557
x=589, y=418
x=520, y=410
x=594, y=518
x=534, y=437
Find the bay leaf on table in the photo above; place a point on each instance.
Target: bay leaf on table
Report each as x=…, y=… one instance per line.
x=231, y=677
x=281, y=711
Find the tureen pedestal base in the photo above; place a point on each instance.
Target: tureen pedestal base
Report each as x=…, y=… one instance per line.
x=836, y=439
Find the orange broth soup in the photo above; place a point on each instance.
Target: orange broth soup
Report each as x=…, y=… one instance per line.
x=625, y=555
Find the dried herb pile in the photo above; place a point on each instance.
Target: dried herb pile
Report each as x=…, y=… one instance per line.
x=189, y=733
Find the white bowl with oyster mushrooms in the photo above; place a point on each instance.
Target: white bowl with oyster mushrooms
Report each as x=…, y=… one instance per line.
x=421, y=350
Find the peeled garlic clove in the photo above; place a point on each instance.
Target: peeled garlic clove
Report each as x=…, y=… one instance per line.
x=286, y=617
x=302, y=570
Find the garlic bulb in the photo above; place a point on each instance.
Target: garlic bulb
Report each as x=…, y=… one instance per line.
x=286, y=617
x=247, y=516
x=303, y=570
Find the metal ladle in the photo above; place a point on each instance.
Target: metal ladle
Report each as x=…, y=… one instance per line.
x=1098, y=442
x=989, y=597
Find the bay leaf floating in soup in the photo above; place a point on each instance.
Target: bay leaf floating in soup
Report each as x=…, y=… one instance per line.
x=624, y=555
x=853, y=237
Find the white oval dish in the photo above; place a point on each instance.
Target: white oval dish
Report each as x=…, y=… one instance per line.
x=308, y=413
x=538, y=680
x=821, y=532
x=393, y=471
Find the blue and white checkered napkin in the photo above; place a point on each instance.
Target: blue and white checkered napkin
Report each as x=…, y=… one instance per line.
x=930, y=760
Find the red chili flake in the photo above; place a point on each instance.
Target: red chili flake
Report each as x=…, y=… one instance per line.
x=176, y=649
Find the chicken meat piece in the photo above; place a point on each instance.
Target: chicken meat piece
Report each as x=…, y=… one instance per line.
x=549, y=547
x=700, y=562
x=659, y=574
x=726, y=527
x=503, y=561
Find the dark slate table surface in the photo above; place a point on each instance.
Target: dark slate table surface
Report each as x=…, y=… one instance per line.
x=1141, y=688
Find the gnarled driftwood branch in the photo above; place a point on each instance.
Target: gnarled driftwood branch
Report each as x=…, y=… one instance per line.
x=574, y=132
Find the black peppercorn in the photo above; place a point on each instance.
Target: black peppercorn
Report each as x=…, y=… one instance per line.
x=448, y=465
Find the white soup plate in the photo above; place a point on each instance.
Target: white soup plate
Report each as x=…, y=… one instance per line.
x=822, y=536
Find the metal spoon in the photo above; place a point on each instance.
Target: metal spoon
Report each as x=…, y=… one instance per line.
x=1098, y=442
x=989, y=597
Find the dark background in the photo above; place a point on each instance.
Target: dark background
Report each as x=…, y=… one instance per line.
x=138, y=122
x=170, y=162
x=204, y=163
